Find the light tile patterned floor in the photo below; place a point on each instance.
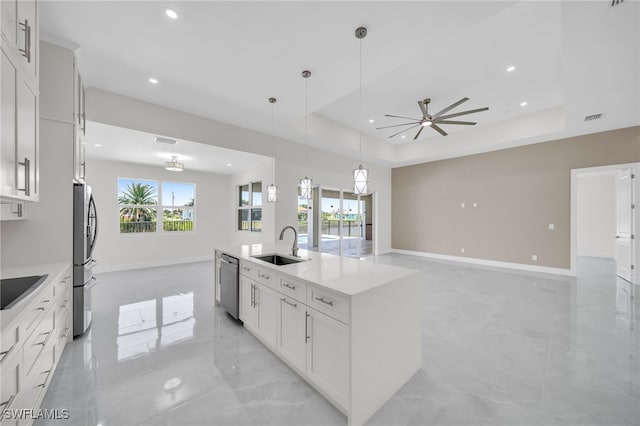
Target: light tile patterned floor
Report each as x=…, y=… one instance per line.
x=499, y=347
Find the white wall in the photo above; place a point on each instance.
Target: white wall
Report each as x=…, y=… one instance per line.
x=596, y=215
x=263, y=173
x=325, y=168
x=116, y=251
x=46, y=235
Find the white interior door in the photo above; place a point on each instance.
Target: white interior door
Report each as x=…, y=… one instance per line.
x=624, y=249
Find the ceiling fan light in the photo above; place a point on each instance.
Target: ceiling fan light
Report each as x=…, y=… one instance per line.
x=272, y=194
x=427, y=123
x=360, y=180
x=306, y=188
x=174, y=165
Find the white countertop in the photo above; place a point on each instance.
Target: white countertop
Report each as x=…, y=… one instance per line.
x=53, y=270
x=345, y=275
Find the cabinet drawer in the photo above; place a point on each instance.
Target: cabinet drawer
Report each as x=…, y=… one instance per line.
x=8, y=345
x=63, y=330
x=248, y=269
x=37, y=308
x=267, y=277
x=332, y=304
x=9, y=383
x=36, y=343
x=293, y=288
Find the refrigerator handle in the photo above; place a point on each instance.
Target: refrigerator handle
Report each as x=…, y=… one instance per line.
x=95, y=224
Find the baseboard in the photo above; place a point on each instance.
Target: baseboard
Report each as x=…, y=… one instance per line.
x=150, y=264
x=492, y=263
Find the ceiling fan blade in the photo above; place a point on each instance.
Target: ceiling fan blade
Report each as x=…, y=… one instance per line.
x=422, y=108
x=418, y=134
x=467, y=123
x=396, y=125
x=405, y=130
x=438, y=129
x=457, y=114
x=399, y=116
x=450, y=107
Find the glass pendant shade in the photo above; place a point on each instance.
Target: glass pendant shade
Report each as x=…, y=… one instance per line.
x=272, y=193
x=306, y=188
x=360, y=180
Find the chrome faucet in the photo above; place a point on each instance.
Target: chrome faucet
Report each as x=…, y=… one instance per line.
x=294, y=249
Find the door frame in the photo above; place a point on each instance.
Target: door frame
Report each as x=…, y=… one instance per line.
x=635, y=219
x=374, y=216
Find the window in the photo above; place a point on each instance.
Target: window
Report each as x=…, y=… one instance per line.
x=140, y=201
x=250, y=207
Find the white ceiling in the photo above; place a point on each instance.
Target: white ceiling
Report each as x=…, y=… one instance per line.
x=105, y=142
x=222, y=60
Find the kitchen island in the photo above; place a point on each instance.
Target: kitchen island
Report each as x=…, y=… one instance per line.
x=349, y=327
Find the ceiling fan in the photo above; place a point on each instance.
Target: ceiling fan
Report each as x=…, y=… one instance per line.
x=432, y=121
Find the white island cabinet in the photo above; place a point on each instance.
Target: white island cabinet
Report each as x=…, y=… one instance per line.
x=349, y=327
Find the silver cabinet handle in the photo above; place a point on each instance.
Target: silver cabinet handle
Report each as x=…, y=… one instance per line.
x=291, y=287
x=295, y=305
x=44, y=342
x=18, y=211
x=27, y=172
x=45, y=379
x=6, y=353
x=253, y=296
x=244, y=268
x=266, y=277
x=327, y=302
x=8, y=402
x=26, y=52
x=40, y=309
x=306, y=327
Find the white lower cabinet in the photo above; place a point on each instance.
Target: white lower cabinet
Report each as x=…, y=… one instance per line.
x=31, y=345
x=311, y=341
x=292, y=332
x=327, y=355
x=259, y=310
x=265, y=303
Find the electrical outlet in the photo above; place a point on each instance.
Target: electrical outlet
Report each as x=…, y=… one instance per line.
x=462, y=205
x=534, y=257
x=461, y=250
x=552, y=227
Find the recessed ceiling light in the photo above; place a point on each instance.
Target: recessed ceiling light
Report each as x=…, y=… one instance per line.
x=171, y=13
x=97, y=145
x=523, y=104
x=403, y=137
x=153, y=80
x=228, y=164
x=511, y=68
x=371, y=120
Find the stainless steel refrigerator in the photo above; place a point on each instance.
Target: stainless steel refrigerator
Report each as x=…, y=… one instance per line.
x=85, y=231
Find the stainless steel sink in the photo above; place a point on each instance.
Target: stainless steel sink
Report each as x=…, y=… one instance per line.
x=278, y=260
x=12, y=290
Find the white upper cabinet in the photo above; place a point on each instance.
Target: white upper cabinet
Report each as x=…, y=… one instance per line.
x=19, y=100
x=20, y=31
x=9, y=76
x=19, y=132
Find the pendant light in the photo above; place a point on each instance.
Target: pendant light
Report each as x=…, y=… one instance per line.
x=306, y=184
x=173, y=165
x=272, y=190
x=360, y=174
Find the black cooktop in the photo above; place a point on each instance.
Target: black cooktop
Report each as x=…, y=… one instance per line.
x=12, y=290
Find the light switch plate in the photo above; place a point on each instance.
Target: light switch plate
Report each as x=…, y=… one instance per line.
x=462, y=205
x=461, y=250
x=552, y=227
x=475, y=204
x=534, y=257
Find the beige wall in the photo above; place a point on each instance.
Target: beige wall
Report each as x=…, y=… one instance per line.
x=518, y=191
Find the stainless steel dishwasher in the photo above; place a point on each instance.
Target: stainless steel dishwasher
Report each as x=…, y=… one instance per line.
x=229, y=286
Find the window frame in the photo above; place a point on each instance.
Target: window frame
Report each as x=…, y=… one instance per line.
x=159, y=207
x=250, y=208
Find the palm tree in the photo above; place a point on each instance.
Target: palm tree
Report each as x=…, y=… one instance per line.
x=138, y=194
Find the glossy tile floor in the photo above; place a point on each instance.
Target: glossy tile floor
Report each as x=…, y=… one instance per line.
x=499, y=348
